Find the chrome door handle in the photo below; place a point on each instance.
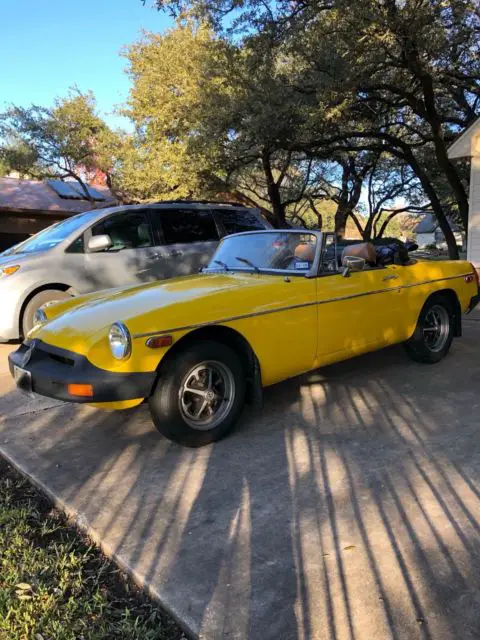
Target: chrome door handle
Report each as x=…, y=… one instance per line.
x=175, y=254
x=391, y=277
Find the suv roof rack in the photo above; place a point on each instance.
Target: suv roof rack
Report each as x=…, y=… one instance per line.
x=186, y=201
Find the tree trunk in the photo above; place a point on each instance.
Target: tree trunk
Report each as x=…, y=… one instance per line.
x=454, y=181
x=435, y=202
x=348, y=200
x=415, y=65
x=341, y=217
x=385, y=223
x=317, y=213
x=367, y=232
x=273, y=191
x=83, y=186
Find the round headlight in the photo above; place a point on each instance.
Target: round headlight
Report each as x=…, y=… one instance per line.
x=120, y=341
x=40, y=317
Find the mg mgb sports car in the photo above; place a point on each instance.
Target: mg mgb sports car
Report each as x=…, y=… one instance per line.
x=270, y=305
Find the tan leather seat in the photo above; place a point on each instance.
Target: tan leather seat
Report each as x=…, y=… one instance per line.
x=364, y=250
x=305, y=251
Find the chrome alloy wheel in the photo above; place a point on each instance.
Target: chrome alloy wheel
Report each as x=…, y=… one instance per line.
x=436, y=328
x=206, y=395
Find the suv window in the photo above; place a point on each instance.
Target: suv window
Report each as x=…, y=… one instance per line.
x=76, y=246
x=236, y=221
x=129, y=230
x=187, y=225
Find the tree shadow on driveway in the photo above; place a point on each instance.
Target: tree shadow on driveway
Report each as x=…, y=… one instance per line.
x=346, y=508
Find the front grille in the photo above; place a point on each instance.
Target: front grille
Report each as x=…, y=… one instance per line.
x=61, y=359
x=44, y=352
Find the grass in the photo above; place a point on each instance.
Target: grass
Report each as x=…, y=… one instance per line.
x=56, y=585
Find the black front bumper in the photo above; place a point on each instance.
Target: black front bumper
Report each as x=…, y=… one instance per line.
x=52, y=369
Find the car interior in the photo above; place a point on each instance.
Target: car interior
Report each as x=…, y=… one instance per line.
x=374, y=256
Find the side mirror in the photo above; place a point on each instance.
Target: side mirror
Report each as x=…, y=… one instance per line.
x=352, y=263
x=99, y=243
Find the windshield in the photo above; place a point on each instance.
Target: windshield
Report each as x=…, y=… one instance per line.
x=50, y=237
x=280, y=250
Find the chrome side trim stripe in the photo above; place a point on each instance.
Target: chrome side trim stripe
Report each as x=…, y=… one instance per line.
x=294, y=306
x=417, y=284
x=261, y=313
x=231, y=319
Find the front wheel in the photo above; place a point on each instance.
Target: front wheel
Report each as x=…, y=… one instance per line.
x=434, y=332
x=199, y=394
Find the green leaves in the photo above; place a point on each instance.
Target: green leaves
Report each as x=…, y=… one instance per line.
x=68, y=140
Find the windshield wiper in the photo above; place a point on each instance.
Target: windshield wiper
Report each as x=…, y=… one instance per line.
x=222, y=264
x=247, y=261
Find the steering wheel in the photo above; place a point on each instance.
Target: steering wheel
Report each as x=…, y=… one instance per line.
x=286, y=260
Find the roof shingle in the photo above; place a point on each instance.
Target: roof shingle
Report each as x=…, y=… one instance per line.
x=35, y=195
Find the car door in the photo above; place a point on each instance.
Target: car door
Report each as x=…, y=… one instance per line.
x=71, y=263
x=187, y=239
x=130, y=259
x=357, y=313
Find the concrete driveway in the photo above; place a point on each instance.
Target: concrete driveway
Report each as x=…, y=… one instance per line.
x=347, y=508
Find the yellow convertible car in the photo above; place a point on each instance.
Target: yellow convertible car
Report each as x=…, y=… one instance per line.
x=270, y=305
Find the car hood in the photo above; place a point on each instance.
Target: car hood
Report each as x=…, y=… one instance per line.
x=19, y=258
x=155, y=307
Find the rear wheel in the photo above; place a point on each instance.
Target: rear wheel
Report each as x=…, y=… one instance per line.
x=39, y=299
x=434, y=332
x=199, y=394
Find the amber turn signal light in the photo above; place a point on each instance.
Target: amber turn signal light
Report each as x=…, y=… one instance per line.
x=9, y=271
x=81, y=390
x=156, y=342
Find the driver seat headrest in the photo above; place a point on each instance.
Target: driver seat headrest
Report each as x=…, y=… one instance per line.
x=365, y=250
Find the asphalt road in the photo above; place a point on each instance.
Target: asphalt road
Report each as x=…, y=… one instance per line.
x=349, y=507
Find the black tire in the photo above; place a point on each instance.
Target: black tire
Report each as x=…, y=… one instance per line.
x=171, y=404
x=48, y=295
x=421, y=347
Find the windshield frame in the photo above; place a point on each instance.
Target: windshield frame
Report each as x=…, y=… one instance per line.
x=311, y=273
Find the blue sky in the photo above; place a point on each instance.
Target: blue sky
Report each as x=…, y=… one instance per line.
x=47, y=46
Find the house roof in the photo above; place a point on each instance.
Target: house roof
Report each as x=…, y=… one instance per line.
x=468, y=142
x=429, y=224
x=34, y=195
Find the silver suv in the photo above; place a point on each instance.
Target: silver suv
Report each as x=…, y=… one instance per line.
x=112, y=247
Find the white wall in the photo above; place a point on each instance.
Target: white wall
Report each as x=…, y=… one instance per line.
x=473, y=245
x=422, y=239
x=458, y=235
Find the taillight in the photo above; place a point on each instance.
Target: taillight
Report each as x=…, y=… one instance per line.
x=475, y=275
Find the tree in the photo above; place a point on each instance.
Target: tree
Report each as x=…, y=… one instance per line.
x=169, y=74
x=66, y=141
x=410, y=81
x=384, y=76
x=391, y=189
x=16, y=156
x=204, y=112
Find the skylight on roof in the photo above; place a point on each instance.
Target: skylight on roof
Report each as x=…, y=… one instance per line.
x=73, y=191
